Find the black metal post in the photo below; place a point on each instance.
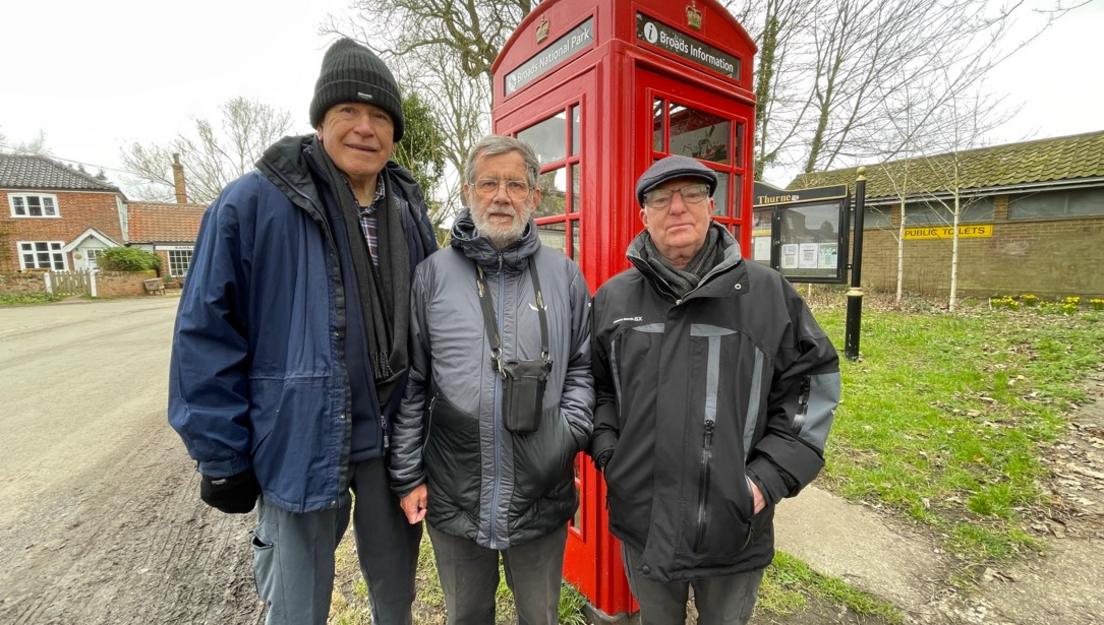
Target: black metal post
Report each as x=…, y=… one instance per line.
x=855, y=293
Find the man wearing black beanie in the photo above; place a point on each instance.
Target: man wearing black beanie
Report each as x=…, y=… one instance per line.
x=290, y=356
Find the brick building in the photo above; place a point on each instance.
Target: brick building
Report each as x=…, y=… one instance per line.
x=56, y=217
x=1031, y=218
x=169, y=230
x=60, y=219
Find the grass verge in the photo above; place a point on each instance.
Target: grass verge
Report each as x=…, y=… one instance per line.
x=22, y=299
x=788, y=583
x=945, y=418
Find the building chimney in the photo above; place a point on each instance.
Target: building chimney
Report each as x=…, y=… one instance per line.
x=178, y=180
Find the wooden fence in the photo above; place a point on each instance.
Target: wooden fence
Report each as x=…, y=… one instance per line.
x=67, y=283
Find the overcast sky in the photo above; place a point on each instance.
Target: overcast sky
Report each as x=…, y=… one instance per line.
x=95, y=76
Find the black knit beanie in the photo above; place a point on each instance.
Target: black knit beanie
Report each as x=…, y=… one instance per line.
x=352, y=73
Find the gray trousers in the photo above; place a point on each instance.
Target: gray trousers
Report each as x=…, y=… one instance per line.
x=469, y=578
x=293, y=554
x=720, y=600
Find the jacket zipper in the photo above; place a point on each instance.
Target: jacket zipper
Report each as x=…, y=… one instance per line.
x=429, y=421
x=497, y=419
x=802, y=405
x=703, y=482
x=316, y=215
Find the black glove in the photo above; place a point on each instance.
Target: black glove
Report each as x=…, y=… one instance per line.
x=236, y=494
x=602, y=459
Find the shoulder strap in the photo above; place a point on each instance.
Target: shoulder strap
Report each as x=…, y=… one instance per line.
x=491, y=325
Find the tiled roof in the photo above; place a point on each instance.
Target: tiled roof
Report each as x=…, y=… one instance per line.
x=158, y=222
x=1057, y=159
x=19, y=171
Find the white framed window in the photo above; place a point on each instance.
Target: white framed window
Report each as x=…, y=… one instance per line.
x=179, y=260
x=34, y=205
x=42, y=255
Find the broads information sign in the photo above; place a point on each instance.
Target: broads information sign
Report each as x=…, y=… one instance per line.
x=547, y=59
x=663, y=36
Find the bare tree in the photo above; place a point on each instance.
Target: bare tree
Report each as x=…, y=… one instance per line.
x=930, y=180
x=828, y=71
x=444, y=49
x=34, y=147
x=966, y=118
x=827, y=75
x=212, y=155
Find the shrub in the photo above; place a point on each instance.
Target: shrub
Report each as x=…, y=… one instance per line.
x=1029, y=299
x=1097, y=303
x=1005, y=301
x=128, y=259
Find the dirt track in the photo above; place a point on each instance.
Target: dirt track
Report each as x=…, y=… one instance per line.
x=100, y=519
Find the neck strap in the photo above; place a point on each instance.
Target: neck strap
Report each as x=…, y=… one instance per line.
x=489, y=314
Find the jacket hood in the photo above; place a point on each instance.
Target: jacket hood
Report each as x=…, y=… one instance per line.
x=479, y=248
x=287, y=159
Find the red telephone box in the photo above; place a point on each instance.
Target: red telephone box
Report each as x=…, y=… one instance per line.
x=601, y=89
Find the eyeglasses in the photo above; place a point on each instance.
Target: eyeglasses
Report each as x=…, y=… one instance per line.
x=691, y=194
x=516, y=189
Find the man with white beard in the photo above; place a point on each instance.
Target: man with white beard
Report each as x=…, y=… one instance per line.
x=500, y=396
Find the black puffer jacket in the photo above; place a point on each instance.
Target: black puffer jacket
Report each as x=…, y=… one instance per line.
x=486, y=484
x=695, y=395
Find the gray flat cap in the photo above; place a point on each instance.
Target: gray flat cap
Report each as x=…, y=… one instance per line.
x=671, y=167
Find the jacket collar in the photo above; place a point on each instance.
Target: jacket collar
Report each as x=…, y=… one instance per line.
x=477, y=247
x=721, y=280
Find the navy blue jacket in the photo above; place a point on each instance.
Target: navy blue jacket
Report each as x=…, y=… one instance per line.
x=257, y=377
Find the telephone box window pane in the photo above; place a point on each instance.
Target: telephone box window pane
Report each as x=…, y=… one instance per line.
x=577, y=520
x=576, y=202
x=575, y=251
x=576, y=130
x=548, y=138
x=737, y=207
x=657, y=125
x=553, y=186
x=738, y=152
x=699, y=134
x=552, y=235
x=720, y=196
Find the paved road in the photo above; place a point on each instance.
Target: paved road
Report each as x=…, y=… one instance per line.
x=100, y=520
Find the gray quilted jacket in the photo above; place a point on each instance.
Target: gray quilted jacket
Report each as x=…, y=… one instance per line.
x=485, y=483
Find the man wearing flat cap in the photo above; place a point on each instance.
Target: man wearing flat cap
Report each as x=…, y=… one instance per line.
x=290, y=350
x=715, y=392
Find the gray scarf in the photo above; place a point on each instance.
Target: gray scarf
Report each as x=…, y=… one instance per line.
x=383, y=299
x=682, y=281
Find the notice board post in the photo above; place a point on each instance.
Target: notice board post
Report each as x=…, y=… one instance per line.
x=855, y=293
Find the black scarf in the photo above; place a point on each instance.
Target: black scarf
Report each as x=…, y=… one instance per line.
x=682, y=281
x=386, y=317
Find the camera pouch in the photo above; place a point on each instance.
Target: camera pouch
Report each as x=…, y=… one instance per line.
x=523, y=394
x=522, y=380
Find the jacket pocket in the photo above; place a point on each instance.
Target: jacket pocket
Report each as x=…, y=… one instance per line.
x=719, y=526
x=542, y=459
x=451, y=456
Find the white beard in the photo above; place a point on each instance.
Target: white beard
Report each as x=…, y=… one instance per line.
x=501, y=237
